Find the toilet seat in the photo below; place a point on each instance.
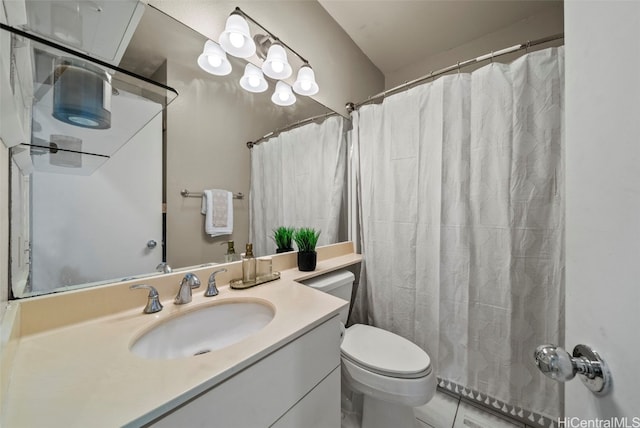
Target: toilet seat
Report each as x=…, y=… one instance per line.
x=386, y=367
x=384, y=353
x=406, y=392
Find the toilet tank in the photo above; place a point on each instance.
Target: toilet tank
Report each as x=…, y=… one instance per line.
x=338, y=283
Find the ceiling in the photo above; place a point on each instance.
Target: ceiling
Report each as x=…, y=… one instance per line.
x=395, y=33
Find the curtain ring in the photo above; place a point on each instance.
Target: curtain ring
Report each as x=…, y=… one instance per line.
x=491, y=57
x=526, y=48
x=458, y=67
x=431, y=77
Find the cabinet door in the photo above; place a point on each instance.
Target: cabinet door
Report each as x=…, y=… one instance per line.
x=261, y=394
x=320, y=408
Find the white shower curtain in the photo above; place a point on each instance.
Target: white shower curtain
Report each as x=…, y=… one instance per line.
x=298, y=180
x=462, y=217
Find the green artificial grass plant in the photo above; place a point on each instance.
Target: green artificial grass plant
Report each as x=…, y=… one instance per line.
x=283, y=236
x=306, y=238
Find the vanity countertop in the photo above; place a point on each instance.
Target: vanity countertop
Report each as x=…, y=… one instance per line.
x=82, y=374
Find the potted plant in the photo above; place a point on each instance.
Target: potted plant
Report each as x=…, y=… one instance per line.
x=283, y=237
x=306, y=239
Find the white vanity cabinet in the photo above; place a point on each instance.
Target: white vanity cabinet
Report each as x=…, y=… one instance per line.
x=298, y=385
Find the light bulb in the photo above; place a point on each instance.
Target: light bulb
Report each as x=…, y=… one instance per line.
x=254, y=81
x=236, y=40
x=277, y=66
x=283, y=96
x=214, y=60
x=305, y=85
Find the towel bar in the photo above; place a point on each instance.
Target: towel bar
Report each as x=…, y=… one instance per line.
x=187, y=194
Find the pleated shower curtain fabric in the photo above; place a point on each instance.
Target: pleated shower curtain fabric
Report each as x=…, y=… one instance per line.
x=298, y=180
x=461, y=189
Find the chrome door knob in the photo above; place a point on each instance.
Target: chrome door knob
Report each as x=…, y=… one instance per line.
x=559, y=365
x=151, y=244
x=555, y=363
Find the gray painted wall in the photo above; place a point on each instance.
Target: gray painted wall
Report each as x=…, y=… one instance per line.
x=534, y=27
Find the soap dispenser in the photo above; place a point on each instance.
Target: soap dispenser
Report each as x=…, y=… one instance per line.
x=230, y=255
x=248, y=266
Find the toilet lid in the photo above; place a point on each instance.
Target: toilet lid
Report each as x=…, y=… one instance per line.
x=384, y=353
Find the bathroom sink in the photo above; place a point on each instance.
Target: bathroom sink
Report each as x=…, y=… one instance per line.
x=203, y=330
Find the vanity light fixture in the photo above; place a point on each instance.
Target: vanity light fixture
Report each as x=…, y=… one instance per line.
x=236, y=39
x=305, y=83
x=276, y=65
x=214, y=60
x=283, y=95
x=253, y=80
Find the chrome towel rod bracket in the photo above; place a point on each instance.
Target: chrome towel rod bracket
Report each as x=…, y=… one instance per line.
x=187, y=194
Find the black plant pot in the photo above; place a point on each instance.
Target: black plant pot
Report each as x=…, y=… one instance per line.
x=307, y=261
x=283, y=250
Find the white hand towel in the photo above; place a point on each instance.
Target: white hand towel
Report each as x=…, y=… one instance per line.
x=217, y=206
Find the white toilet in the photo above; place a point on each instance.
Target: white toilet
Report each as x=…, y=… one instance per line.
x=393, y=374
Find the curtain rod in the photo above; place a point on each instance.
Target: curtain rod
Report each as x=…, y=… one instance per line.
x=490, y=56
x=250, y=144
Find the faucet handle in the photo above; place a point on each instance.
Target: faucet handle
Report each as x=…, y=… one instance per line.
x=153, y=302
x=212, y=290
x=193, y=280
x=189, y=282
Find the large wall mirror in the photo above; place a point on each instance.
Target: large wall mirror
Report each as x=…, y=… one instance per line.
x=127, y=216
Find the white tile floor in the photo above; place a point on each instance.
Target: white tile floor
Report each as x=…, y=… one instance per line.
x=446, y=411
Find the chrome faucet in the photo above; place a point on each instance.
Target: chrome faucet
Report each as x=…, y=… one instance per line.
x=189, y=282
x=153, y=302
x=164, y=268
x=212, y=290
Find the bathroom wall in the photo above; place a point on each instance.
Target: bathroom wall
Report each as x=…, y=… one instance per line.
x=534, y=27
x=603, y=199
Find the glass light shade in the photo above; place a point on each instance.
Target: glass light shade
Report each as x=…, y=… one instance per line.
x=283, y=95
x=305, y=83
x=213, y=59
x=253, y=80
x=236, y=39
x=276, y=65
